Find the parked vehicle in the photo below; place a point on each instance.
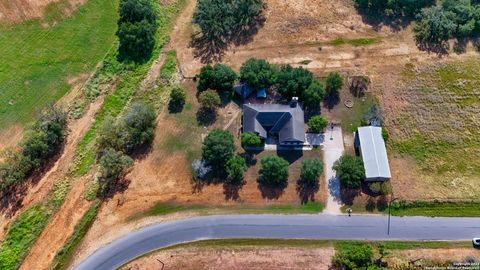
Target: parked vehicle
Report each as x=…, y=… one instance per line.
x=476, y=242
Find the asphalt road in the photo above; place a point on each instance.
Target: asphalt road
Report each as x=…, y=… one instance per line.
x=321, y=226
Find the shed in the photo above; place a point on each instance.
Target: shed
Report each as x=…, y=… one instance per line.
x=371, y=146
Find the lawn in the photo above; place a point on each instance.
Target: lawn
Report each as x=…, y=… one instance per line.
x=38, y=62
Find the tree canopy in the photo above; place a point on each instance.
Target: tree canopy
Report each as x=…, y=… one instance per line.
x=178, y=96
x=235, y=168
x=221, y=21
x=218, y=148
x=292, y=82
x=333, y=83
x=250, y=139
x=314, y=94
x=209, y=99
x=112, y=166
x=136, y=30
x=258, y=73
x=350, y=171
x=273, y=171
x=317, y=124
x=352, y=256
x=392, y=7
x=217, y=77
x=311, y=170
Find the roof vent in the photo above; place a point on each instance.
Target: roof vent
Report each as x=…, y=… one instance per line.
x=294, y=102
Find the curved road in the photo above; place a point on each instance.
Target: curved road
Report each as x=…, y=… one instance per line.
x=321, y=226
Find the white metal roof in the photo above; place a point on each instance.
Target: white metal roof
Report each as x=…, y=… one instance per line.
x=374, y=153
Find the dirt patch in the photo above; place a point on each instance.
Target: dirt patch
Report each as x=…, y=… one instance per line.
x=20, y=10
x=236, y=258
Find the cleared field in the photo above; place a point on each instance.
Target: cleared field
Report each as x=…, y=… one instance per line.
x=436, y=130
x=41, y=63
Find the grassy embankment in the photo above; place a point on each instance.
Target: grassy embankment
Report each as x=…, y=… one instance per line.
x=38, y=62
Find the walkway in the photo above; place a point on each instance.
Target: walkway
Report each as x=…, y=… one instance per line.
x=321, y=226
x=332, y=151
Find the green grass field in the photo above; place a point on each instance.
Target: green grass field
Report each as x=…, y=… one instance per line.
x=37, y=61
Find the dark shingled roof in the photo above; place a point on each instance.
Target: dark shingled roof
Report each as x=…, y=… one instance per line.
x=285, y=120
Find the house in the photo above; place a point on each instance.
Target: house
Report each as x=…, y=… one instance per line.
x=284, y=124
x=371, y=146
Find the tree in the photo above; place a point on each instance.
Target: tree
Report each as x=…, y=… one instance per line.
x=273, y=171
x=392, y=7
x=112, y=166
x=333, y=83
x=250, y=139
x=222, y=21
x=136, y=11
x=140, y=122
x=350, y=171
x=380, y=188
x=310, y=171
x=351, y=256
x=257, y=73
x=292, y=82
x=177, y=99
x=235, y=169
x=137, y=41
x=314, y=94
x=317, y=124
x=218, y=147
x=434, y=27
x=218, y=77
x=209, y=99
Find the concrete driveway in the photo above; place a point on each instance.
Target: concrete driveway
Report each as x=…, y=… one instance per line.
x=332, y=150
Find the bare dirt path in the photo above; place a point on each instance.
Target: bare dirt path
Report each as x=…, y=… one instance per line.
x=38, y=192
x=60, y=227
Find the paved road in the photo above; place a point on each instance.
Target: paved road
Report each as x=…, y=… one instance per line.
x=321, y=226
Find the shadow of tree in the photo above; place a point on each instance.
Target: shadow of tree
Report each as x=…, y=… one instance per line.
x=206, y=116
x=331, y=100
x=120, y=186
x=11, y=200
x=231, y=191
x=272, y=192
x=213, y=50
x=306, y=191
x=441, y=49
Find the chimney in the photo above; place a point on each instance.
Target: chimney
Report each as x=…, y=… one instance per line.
x=294, y=102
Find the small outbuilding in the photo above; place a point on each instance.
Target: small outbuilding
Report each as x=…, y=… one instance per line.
x=370, y=145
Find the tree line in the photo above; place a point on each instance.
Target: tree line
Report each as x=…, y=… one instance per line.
x=40, y=144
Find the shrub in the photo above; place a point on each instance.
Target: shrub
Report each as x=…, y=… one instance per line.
x=381, y=188
x=218, y=147
x=350, y=171
x=235, y=169
x=353, y=256
x=177, y=99
x=292, y=82
x=136, y=11
x=317, y=124
x=113, y=166
x=434, y=27
x=333, y=83
x=310, y=171
x=273, y=171
x=385, y=134
x=258, y=73
x=250, y=139
x=218, y=77
x=209, y=99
